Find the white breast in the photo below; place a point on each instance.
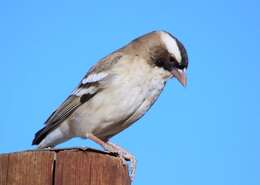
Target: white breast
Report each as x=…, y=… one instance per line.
x=122, y=97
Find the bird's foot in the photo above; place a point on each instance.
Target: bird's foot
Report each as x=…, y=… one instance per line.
x=122, y=153
x=111, y=149
x=124, y=156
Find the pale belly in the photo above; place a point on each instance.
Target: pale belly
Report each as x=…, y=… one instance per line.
x=123, y=100
x=104, y=115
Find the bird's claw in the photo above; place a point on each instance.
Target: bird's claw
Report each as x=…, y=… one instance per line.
x=125, y=156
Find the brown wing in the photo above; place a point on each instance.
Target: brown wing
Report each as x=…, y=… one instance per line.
x=60, y=115
x=87, y=89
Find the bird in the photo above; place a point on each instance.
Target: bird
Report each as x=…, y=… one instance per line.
x=116, y=92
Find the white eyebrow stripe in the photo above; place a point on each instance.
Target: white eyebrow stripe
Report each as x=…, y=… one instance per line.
x=171, y=45
x=94, y=77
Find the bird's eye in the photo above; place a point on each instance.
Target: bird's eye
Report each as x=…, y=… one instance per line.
x=176, y=64
x=172, y=59
x=159, y=63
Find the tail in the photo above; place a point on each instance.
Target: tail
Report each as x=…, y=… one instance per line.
x=49, y=137
x=40, y=135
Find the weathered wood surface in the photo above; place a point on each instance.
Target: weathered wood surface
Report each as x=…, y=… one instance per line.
x=62, y=167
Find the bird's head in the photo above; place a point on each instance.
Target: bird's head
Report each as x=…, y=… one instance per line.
x=165, y=51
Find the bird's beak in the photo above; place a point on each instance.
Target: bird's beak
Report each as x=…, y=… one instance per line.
x=180, y=75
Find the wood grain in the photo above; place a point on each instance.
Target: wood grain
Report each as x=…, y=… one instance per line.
x=3, y=169
x=29, y=168
x=89, y=168
x=62, y=167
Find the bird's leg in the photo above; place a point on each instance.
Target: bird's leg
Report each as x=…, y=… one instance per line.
x=122, y=153
x=105, y=145
x=127, y=156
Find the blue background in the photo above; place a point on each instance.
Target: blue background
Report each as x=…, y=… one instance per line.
x=207, y=133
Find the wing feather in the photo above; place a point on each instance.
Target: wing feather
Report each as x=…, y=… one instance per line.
x=57, y=117
x=70, y=104
x=88, y=88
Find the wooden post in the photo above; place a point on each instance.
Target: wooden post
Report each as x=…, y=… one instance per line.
x=62, y=167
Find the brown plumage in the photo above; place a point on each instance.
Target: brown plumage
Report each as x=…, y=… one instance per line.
x=116, y=92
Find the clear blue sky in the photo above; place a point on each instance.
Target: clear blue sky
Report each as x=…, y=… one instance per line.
x=207, y=133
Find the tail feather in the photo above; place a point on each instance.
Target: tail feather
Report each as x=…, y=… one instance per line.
x=47, y=137
x=40, y=135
